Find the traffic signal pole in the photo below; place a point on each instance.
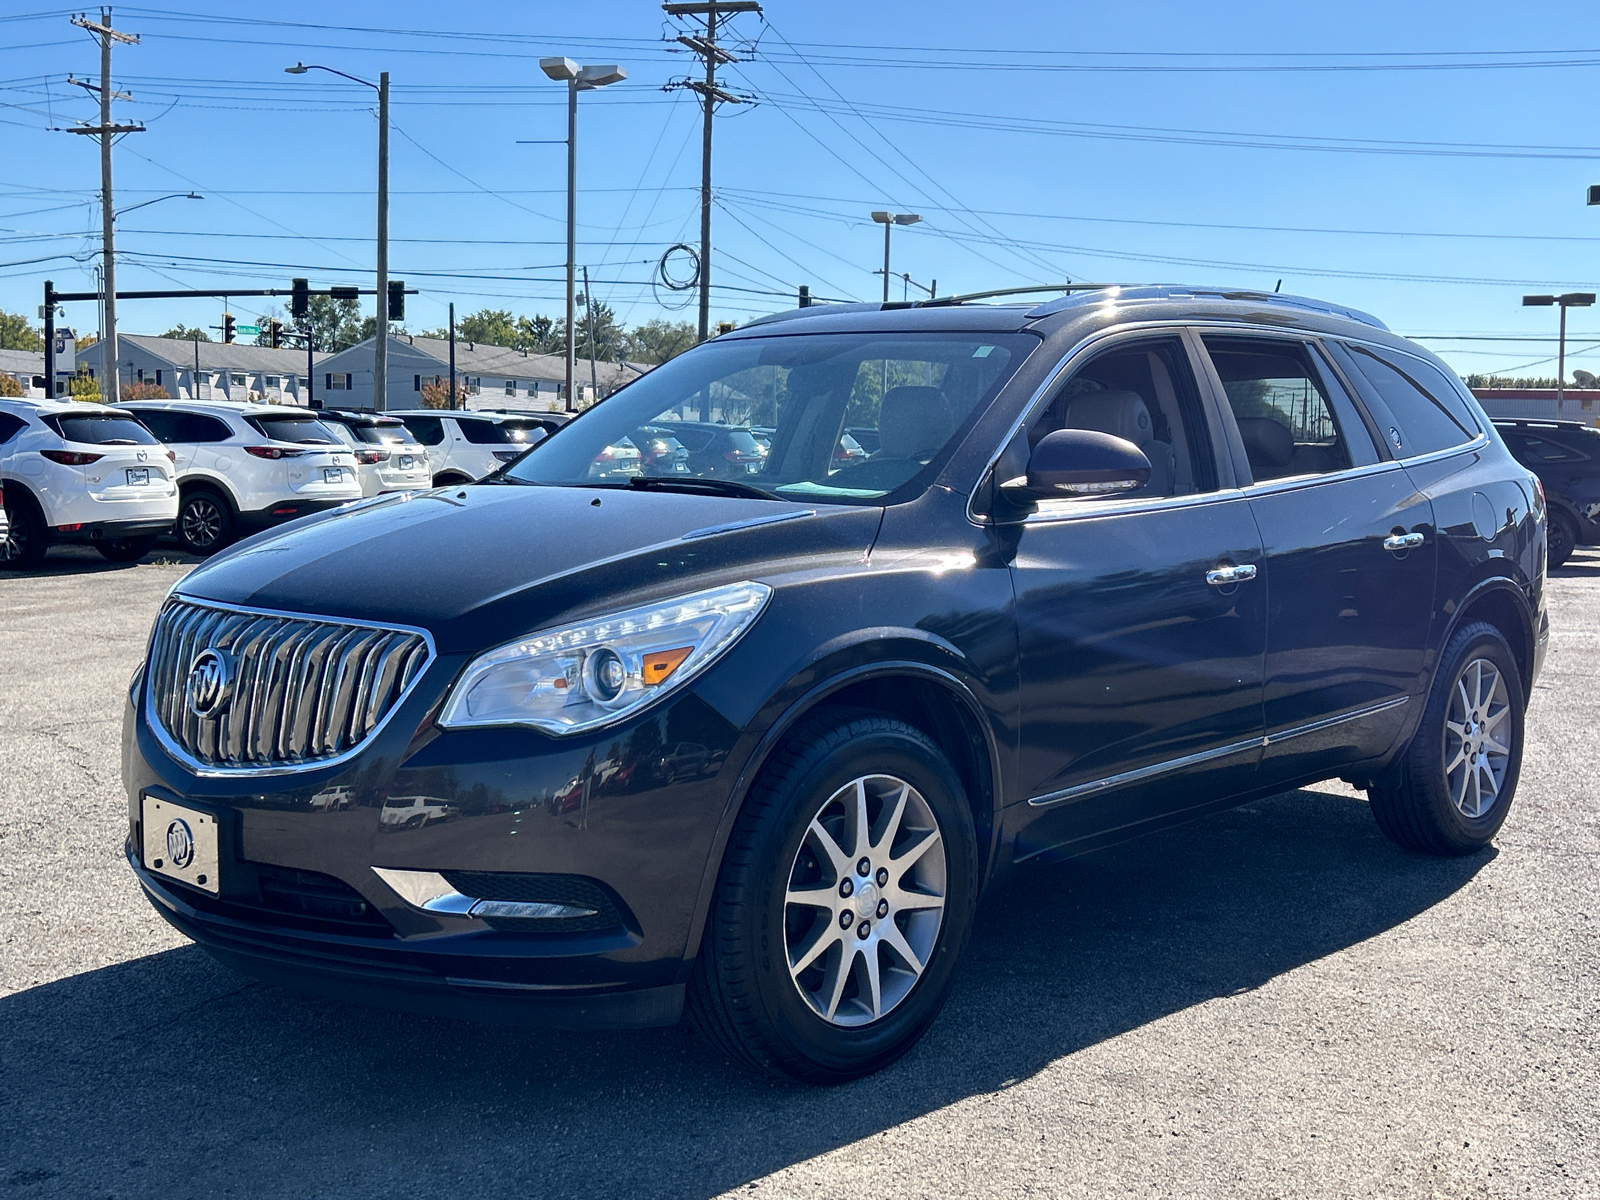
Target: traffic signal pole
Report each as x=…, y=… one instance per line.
x=380, y=345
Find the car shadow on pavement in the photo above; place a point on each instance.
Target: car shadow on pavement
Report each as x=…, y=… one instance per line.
x=60, y=561
x=169, y=1075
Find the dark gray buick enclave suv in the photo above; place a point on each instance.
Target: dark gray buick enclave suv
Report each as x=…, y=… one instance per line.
x=754, y=742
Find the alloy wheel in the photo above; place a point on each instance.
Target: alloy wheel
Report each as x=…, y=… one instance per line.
x=1477, y=738
x=201, y=525
x=864, y=902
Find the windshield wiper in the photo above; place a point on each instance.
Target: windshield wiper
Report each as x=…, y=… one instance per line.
x=715, y=487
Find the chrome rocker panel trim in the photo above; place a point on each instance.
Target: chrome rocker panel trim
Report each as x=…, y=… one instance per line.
x=1139, y=774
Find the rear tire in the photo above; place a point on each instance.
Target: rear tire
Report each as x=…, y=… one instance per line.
x=205, y=522
x=126, y=550
x=1451, y=788
x=1563, y=537
x=809, y=965
x=28, y=537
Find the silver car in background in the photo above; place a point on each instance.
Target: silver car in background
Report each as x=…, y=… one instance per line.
x=388, y=456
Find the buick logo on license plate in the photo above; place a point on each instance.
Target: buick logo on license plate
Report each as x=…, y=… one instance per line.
x=210, y=683
x=180, y=844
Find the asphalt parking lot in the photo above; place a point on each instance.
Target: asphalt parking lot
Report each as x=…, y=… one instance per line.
x=1273, y=1002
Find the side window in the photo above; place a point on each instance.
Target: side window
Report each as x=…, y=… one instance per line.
x=1428, y=413
x=194, y=429
x=427, y=430
x=10, y=426
x=163, y=424
x=479, y=433
x=1144, y=393
x=1281, y=406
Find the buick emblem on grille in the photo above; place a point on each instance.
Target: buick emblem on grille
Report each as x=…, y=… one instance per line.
x=210, y=683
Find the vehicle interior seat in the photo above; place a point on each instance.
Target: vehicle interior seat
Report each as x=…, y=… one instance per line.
x=913, y=422
x=1268, y=445
x=1125, y=415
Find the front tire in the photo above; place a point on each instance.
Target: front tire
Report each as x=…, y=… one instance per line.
x=846, y=895
x=27, y=539
x=205, y=522
x=126, y=550
x=1451, y=788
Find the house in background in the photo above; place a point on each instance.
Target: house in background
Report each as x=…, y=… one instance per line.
x=209, y=370
x=491, y=376
x=27, y=368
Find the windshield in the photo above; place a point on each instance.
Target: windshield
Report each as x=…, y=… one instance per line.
x=697, y=415
x=305, y=430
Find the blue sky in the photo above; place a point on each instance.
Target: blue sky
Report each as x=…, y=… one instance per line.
x=1426, y=162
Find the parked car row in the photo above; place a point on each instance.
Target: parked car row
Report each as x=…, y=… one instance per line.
x=1565, y=455
x=210, y=472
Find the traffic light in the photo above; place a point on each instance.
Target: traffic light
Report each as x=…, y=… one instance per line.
x=275, y=335
x=227, y=327
x=397, y=299
x=300, y=299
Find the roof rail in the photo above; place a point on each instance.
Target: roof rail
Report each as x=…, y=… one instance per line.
x=941, y=301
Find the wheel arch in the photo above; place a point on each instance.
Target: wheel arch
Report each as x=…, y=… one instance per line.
x=208, y=483
x=925, y=696
x=1500, y=602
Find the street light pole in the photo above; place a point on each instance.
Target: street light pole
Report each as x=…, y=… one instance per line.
x=1569, y=300
x=888, y=221
x=578, y=79
x=380, y=343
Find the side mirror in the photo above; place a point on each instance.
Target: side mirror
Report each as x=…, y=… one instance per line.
x=1080, y=462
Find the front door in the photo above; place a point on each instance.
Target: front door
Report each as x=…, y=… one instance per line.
x=1140, y=631
x=1350, y=558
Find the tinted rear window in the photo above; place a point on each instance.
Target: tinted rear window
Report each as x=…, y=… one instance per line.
x=305, y=430
x=427, y=430
x=101, y=431
x=1426, y=408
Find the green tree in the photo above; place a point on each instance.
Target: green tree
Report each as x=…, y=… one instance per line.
x=180, y=330
x=332, y=323
x=609, y=340
x=84, y=388
x=369, y=328
x=17, y=334
x=492, y=327
x=9, y=387
x=657, y=341
x=537, y=335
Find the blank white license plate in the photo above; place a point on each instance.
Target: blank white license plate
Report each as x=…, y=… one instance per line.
x=332, y=474
x=407, y=462
x=138, y=476
x=180, y=843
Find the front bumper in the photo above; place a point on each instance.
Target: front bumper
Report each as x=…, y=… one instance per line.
x=510, y=804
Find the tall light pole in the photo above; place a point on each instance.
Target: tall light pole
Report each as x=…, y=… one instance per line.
x=380, y=343
x=578, y=79
x=889, y=221
x=1570, y=300
x=175, y=196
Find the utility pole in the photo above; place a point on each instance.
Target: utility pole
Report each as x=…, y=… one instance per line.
x=588, y=311
x=706, y=48
x=452, y=403
x=110, y=390
x=380, y=348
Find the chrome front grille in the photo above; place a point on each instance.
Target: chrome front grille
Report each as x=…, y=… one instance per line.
x=300, y=691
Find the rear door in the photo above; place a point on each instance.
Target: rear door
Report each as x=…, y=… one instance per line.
x=1349, y=557
x=1140, y=627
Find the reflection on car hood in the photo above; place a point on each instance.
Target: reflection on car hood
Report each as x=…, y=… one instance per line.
x=464, y=562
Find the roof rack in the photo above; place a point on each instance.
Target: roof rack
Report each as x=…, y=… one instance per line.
x=941, y=301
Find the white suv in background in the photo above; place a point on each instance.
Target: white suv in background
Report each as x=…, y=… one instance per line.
x=75, y=472
x=463, y=447
x=388, y=456
x=245, y=467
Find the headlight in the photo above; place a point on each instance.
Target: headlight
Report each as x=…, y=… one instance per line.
x=583, y=676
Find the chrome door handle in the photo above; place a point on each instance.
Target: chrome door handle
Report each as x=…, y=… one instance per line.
x=1402, y=541
x=1225, y=576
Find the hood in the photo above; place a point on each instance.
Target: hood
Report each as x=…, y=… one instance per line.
x=476, y=566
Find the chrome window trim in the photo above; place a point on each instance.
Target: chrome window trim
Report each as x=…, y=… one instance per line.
x=208, y=771
x=1296, y=482
x=1139, y=774
x=1082, y=510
